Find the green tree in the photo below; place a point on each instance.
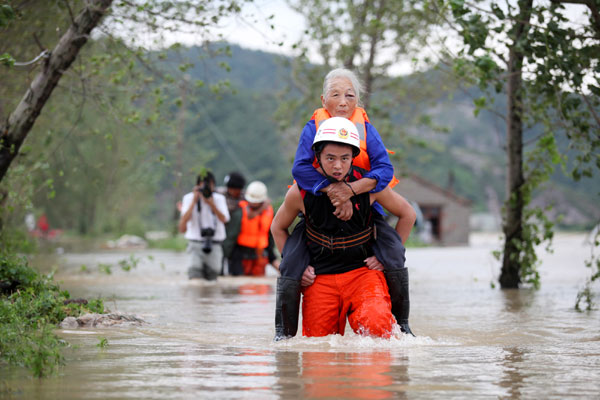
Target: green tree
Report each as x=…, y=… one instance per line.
x=369, y=37
x=548, y=68
x=20, y=121
x=101, y=130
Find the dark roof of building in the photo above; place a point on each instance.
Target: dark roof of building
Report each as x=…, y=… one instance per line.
x=444, y=192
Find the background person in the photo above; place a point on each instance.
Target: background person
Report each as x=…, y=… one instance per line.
x=253, y=239
x=232, y=261
x=203, y=218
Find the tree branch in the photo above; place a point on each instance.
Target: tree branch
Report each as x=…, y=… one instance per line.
x=14, y=131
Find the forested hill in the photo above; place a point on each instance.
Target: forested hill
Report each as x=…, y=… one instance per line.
x=468, y=158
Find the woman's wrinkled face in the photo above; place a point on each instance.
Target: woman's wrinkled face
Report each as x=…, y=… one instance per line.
x=340, y=99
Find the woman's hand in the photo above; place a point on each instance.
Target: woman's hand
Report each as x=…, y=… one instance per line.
x=308, y=277
x=344, y=212
x=339, y=193
x=373, y=263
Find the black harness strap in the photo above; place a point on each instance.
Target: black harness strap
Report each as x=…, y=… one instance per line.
x=340, y=242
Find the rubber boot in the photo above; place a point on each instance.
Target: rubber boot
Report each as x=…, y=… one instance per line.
x=397, y=281
x=287, y=308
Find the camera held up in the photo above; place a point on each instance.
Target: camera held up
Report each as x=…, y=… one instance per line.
x=206, y=190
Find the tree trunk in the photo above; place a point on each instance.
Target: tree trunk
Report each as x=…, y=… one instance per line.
x=14, y=131
x=375, y=34
x=513, y=218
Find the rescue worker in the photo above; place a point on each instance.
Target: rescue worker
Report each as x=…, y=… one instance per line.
x=232, y=258
x=340, y=98
x=347, y=283
x=253, y=239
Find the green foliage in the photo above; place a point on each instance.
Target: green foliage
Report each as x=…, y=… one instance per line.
x=6, y=14
x=368, y=38
x=593, y=262
x=6, y=60
x=177, y=243
x=105, y=268
x=30, y=307
x=557, y=66
x=92, y=147
x=14, y=270
x=129, y=263
x=103, y=343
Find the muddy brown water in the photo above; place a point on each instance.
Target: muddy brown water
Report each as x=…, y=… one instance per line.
x=214, y=340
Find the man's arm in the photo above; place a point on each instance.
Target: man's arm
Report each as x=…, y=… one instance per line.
x=398, y=206
x=286, y=214
x=187, y=209
x=303, y=171
x=218, y=207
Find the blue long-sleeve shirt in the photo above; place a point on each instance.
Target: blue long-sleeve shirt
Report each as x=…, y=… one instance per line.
x=309, y=179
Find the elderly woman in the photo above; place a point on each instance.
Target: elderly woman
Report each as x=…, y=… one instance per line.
x=340, y=98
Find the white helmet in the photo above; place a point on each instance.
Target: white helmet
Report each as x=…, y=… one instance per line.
x=256, y=192
x=338, y=130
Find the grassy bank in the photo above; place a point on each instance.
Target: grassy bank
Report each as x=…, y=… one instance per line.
x=31, y=306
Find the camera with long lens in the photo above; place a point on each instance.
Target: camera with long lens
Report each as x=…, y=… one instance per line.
x=207, y=235
x=206, y=190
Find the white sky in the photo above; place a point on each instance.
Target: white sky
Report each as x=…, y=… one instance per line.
x=253, y=30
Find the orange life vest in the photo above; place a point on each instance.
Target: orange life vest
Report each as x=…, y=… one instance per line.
x=359, y=117
x=254, y=233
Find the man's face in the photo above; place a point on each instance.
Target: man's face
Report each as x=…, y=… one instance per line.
x=340, y=99
x=234, y=192
x=255, y=206
x=336, y=160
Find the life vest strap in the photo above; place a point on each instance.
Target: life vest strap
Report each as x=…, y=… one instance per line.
x=339, y=242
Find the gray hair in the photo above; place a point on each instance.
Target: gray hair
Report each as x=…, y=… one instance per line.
x=342, y=73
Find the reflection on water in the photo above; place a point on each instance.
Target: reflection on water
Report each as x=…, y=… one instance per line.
x=214, y=340
x=334, y=374
x=357, y=375
x=512, y=378
x=517, y=299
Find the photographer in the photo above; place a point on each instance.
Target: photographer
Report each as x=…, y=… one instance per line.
x=203, y=218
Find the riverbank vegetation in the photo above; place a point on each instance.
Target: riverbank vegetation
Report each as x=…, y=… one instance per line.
x=31, y=306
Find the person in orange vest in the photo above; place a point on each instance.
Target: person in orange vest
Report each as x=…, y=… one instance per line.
x=340, y=98
x=346, y=283
x=253, y=239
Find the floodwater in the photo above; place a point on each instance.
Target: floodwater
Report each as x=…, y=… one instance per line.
x=214, y=340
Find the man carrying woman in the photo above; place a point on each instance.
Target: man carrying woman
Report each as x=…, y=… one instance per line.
x=340, y=98
x=348, y=282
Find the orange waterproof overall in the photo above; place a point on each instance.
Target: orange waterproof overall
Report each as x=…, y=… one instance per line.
x=344, y=287
x=361, y=294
